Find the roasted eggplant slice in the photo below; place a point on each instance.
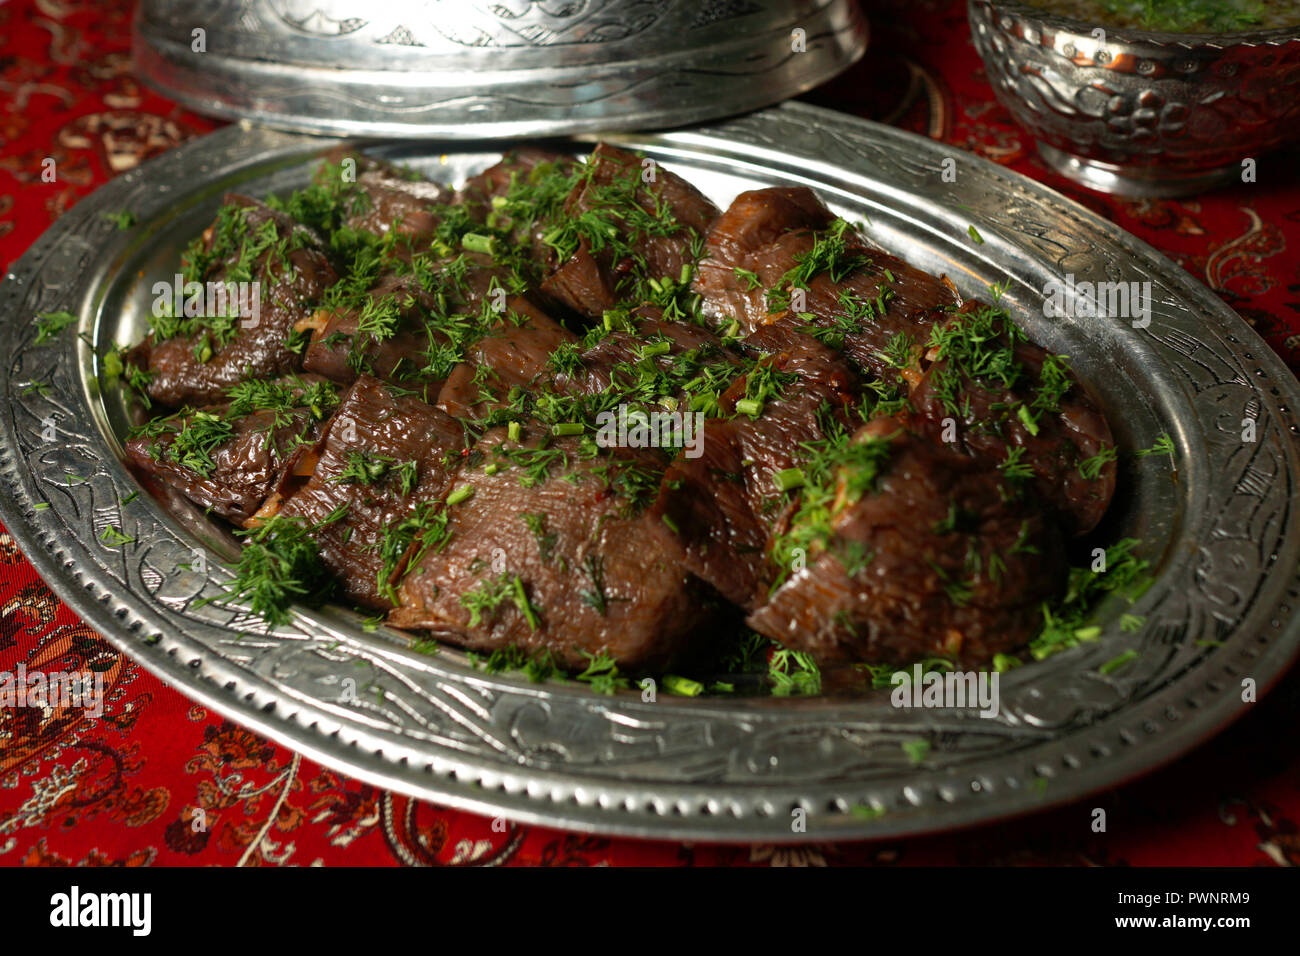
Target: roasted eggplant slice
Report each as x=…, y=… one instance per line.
x=379, y=197
x=902, y=550
x=627, y=222
x=413, y=326
x=194, y=358
x=778, y=256
x=547, y=548
x=229, y=457
x=996, y=396
x=724, y=506
x=382, y=457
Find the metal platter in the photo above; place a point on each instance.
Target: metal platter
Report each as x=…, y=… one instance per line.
x=1217, y=519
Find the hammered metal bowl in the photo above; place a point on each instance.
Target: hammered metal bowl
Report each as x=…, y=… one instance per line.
x=471, y=69
x=1140, y=113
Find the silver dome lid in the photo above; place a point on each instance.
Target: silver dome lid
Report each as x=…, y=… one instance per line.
x=471, y=69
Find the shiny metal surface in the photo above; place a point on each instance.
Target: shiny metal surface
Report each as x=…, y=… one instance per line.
x=1218, y=522
x=1138, y=113
x=469, y=69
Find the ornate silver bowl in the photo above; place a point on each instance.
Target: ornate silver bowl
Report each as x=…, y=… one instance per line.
x=1141, y=113
x=470, y=69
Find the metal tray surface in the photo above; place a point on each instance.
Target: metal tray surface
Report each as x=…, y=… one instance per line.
x=1218, y=522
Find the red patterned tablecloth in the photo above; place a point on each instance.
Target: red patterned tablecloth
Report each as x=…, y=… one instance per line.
x=124, y=788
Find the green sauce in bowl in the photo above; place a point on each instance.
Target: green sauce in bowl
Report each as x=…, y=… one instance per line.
x=1180, y=16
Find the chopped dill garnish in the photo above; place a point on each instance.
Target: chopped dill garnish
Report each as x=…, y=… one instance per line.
x=281, y=563
x=838, y=472
x=538, y=667
x=1014, y=467
x=1064, y=620
x=50, y=324
x=545, y=540
x=360, y=468
x=281, y=398
x=484, y=598
x=1164, y=445
x=793, y=673
x=123, y=220
x=1200, y=16
x=916, y=750
x=115, y=538
x=1092, y=467
x=193, y=443
x=602, y=674
x=425, y=524
x=830, y=254
x=750, y=278
x=1128, y=623
x=1115, y=663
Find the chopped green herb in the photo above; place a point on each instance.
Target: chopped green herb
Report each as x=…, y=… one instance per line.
x=123, y=220
x=864, y=811
x=49, y=324
x=830, y=254
x=1064, y=620
x=789, y=479
x=198, y=437
x=362, y=469
x=281, y=563
x=483, y=599
x=682, y=686
x=521, y=602
x=1128, y=623
x=115, y=538
x=1164, y=445
x=602, y=674
x=463, y=493
x=751, y=279
x=793, y=673
x=1005, y=662
x=1115, y=663
x=916, y=750
x=1091, y=467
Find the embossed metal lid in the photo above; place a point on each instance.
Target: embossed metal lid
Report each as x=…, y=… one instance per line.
x=470, y=69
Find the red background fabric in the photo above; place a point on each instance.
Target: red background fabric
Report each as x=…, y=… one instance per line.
x=125, y=789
